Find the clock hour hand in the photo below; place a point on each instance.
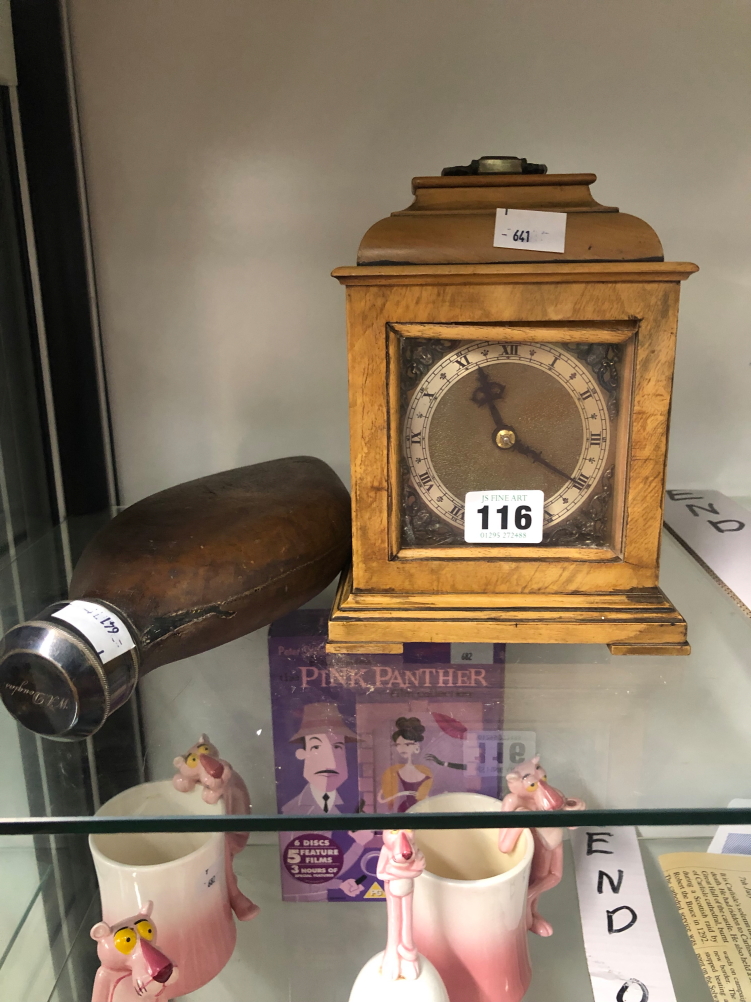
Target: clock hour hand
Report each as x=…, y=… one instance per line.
x=503, y=435
x=486, y=394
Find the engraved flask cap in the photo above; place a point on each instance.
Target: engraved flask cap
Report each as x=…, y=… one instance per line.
x=55, y=684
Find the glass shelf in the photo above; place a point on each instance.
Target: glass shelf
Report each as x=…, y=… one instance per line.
x=640, y=735
x=312, y=952
x=662, y=743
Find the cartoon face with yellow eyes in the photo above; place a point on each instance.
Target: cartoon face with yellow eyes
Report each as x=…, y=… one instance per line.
x=530, y=781
x=202, y=747
x=191, y=759
x=129, y=947
x=125, y=938
x=527, y=776
x=187, y=774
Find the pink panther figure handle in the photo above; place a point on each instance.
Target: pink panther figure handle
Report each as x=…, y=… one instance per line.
x=529, y=791
x=201, y=765
x=399, y=863
x=188, y=772
x=131, y=965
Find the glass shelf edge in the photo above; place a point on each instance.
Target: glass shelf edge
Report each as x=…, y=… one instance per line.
x=358, y=822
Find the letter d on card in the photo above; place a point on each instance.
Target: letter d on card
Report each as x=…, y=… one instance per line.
x=624, y=953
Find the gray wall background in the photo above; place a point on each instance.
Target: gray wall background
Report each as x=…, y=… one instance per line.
x=236, y=151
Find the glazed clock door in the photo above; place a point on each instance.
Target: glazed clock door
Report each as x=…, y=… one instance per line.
x=490, y=414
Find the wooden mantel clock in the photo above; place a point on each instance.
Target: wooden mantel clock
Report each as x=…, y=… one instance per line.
x=475, y=367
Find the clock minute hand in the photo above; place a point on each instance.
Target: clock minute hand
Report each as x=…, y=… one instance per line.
x=485, y=395
x=537, y=458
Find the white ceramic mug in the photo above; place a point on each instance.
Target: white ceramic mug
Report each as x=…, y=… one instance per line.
x=470, y=905
x=183, y=873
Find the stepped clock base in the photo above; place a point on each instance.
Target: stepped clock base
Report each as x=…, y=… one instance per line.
x=632, y=622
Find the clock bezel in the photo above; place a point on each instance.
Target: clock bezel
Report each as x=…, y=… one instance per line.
x=554, y=336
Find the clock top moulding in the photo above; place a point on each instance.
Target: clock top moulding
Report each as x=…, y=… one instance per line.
x=432, y=270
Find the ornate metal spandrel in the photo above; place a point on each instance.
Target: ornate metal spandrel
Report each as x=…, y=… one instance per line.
x=590, y=525
x=418, y=356
x=604, y=361
x=420, y=525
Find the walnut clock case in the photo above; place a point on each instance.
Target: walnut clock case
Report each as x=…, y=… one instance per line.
x=475, y=368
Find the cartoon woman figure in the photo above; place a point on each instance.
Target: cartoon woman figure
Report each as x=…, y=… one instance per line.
x=403, y=785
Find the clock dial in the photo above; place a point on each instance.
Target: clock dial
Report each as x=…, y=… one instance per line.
x=494, y=415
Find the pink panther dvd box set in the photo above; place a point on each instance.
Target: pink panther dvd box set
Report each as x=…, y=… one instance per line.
x=373, y=734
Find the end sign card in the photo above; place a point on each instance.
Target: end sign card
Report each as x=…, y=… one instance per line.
x=624, y=953
x=716, y=530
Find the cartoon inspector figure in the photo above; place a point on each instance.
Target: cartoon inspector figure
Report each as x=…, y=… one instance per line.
x=323, y=737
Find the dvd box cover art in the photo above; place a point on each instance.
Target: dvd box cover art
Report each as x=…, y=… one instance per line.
x=373, y=734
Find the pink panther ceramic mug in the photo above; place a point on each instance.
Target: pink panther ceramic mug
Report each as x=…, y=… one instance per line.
x=470, y=905
x=182, y=873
